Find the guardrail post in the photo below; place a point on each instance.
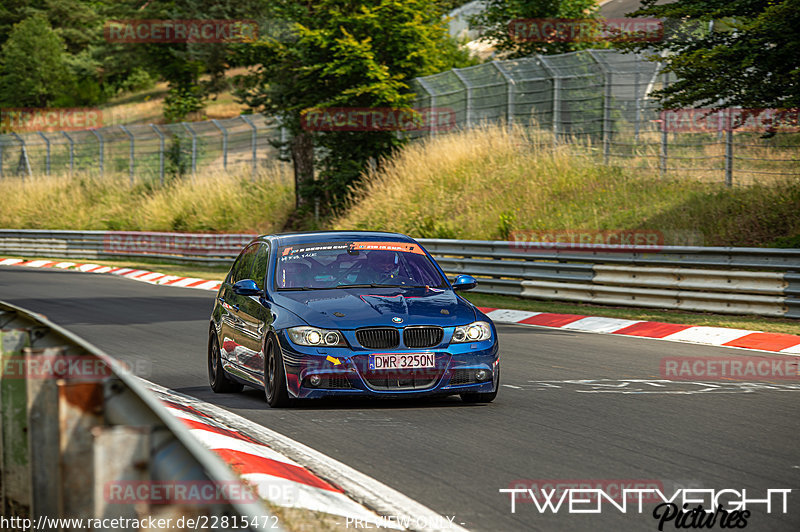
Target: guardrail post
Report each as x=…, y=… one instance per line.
x=80, y=408
x=43, y=437
x=101, y=141
x=131, y=157
x=224, y=143
x=160, y=151
x=121, y=454
x=71, y=152
x=729, y=155
x=14, y=461
x=24, y=164
x=253, y=143
x=47, y=156
x=194, y=146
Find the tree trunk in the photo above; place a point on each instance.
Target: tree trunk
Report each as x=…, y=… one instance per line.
x=302, y=148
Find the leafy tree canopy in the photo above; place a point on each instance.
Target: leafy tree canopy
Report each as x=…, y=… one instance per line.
x=750, y=58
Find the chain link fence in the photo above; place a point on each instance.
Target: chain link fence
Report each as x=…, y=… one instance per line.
x=599, y=102
x=143, y=150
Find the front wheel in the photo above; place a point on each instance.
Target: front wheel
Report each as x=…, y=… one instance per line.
x=217, y=378
x=274, y=376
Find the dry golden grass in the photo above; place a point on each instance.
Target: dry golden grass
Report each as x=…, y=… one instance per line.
x=211, y=202
x=486, y=182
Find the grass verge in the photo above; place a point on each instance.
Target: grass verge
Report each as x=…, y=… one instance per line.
x=488, y=182
x=214, y=202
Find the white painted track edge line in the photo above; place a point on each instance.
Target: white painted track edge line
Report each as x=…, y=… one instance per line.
x=651, y=338
x=364, y=489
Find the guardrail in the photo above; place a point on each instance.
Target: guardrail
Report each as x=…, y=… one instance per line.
x=76, y=425
x=761, y=281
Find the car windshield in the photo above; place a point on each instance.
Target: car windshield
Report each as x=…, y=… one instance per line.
x=327, y=265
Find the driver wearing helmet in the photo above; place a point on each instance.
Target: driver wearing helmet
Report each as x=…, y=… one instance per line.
x=380, y=268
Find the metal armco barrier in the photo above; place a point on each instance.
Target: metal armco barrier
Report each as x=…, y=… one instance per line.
x=761, y=281
x=76, y=425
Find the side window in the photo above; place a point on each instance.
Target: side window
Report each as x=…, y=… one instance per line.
x=260, y=266
x=244, y=264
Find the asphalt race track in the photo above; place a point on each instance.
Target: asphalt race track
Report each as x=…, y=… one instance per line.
x=454, y=457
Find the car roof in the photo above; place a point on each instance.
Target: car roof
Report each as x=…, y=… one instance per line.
x=285, y=239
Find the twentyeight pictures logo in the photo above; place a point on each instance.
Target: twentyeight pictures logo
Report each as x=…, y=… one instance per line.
x=175, y=31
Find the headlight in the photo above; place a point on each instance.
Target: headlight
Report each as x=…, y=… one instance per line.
x=474, y=332
x=316, y=337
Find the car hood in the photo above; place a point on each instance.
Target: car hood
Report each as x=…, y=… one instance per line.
x=354, y=308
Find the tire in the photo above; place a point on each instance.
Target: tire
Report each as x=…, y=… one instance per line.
x=483, y=397
x=275, y=391
x=217, y=378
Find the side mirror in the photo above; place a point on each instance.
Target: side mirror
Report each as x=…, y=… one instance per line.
x=464, y=282
x=246, y=287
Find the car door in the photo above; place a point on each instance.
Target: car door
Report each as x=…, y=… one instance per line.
x=231, y=322
x=255, y=319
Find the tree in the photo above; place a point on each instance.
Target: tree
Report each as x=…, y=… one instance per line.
x=497, y=16
x=34, y=70
x=342, y=53
x=750, y=59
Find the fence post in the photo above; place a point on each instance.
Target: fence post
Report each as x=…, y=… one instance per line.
x=511, y=84
x=131, y=159
x=254, y=143
x=1, y=157
x=47, y=153
x=468, y=99
x=556, y=110
x=607, y=80
x=23, y=158
x=224, y=143
x=71, y=152
x=638, y=106
x=729, y=155
x=160, y=151
x=194, y=146
x=433, y=114
x=100, y=140
x=663, y=157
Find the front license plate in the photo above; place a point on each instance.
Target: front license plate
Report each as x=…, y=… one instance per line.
x=410, y=361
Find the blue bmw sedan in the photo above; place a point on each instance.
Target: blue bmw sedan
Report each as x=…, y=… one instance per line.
x=310, y=315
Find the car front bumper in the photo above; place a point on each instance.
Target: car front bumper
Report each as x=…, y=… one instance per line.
x=345, y=371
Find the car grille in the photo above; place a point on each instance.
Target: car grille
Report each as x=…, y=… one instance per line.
x=462, y=376
x=408, y=380
x=378, y=338
x=422, y=336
